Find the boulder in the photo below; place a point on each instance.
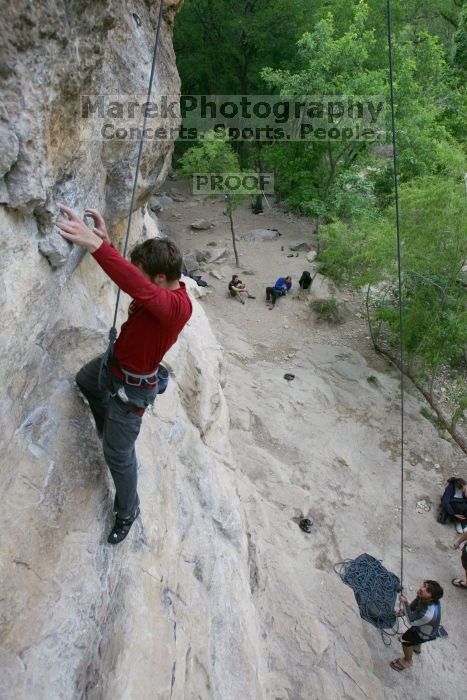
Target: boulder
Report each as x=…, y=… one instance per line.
x=311, y=256
x=323, y=288
x=219, y=255
x=261, y=234
x=201, y=225
x=190, y=262
x=159, y=202
x=202, y=255
x=176, y=195
x=300, y=245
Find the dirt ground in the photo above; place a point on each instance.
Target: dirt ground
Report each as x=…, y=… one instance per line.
x=327, y=444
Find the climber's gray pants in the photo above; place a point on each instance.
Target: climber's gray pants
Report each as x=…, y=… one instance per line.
x=119, y=427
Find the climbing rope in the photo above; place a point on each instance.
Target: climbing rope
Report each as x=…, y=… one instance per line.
x=375, y=588
x=106, y=359
x=399, y=276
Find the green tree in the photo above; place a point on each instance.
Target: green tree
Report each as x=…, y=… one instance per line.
x=221, y=46
x=434, y=249
x=214, y=155
x=330, y=64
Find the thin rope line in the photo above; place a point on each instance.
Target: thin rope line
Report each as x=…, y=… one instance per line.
x=399, y=274
x=140, y=149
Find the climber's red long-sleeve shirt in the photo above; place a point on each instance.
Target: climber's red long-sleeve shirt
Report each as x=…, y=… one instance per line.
x=155, y=316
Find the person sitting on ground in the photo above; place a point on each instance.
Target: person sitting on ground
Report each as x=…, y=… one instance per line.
x=462, y=539
x=280, y=289
x=454, y=503
x=237, y=288
x=424, y=613
x=257, y=206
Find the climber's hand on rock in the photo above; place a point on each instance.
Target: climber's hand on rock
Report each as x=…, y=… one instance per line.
x=75, y=230
x=99, y=224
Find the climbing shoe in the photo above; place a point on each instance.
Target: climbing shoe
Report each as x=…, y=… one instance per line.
x=121, y=528
x=306, y=524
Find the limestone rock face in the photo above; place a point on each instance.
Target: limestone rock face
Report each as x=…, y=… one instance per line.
x=55, y=56
x=170, y=609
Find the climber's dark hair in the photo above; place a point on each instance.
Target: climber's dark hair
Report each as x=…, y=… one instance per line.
x=434, y=589
x=457, y=482
x=158, y=256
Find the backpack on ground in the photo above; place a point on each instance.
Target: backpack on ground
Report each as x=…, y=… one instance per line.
x=305, y=280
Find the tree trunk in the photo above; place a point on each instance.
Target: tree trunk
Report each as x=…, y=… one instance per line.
x=229, y=211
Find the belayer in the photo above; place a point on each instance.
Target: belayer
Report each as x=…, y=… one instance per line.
x=159, y=310
x=424, y=614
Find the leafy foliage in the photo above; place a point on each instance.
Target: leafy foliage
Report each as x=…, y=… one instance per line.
x=294, y=47
x=434, y=248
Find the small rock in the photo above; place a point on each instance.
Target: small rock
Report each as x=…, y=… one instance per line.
x=247, y=272
x=216, y=274
x=212, y=243
x=285, y=325
x=311, y=256
x=422, y=506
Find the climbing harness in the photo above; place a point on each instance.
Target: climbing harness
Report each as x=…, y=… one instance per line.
x=375, y=587
x=105, y=368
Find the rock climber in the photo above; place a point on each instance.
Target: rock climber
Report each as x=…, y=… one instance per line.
x=159, y=310
x=280, y=289
x=237, y=288
x=424, y=614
